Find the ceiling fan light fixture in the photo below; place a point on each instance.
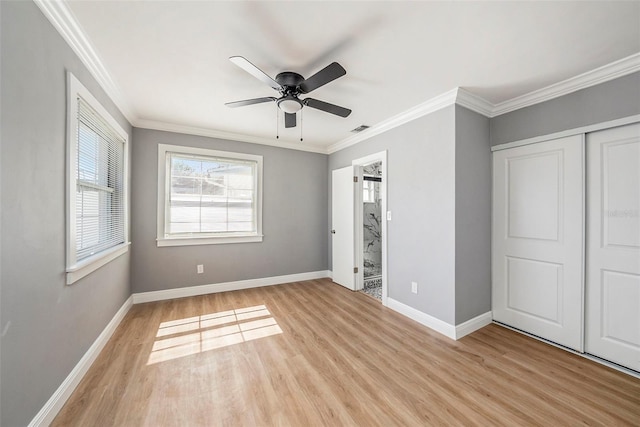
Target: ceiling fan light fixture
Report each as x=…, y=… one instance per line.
x=290, y=85
x=290, y=104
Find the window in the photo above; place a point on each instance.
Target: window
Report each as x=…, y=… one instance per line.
x=368, y=191
x=96, y=176
x=371, y=188
x=208, y=197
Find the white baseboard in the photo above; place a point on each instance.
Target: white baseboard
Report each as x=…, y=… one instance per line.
x=473, y=325
x=446, y=329
x=190, y=291
x=59, y=398
x=429, y=321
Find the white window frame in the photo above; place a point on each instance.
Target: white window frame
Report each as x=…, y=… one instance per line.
x=75, y=270
x=369, y=189
x=164, y=189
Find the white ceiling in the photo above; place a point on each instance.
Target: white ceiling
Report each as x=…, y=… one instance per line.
x=170, y=59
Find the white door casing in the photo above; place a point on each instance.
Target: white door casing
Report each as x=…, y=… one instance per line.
x=342, y=227
x=358, y=229
x=613, y=245
x=537, y=238
x=357, y=164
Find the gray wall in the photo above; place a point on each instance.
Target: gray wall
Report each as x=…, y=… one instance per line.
x=607, y=101
x=294, y=219
x=421, y=195
x=49, y=326
x=473, y=215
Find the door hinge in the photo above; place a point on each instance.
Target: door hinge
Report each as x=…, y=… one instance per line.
x=355, y=179
x=355, y=270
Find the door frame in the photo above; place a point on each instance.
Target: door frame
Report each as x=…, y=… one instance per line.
x=358, y=224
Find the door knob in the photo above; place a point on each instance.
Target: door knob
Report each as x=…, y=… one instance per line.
x=333, y=231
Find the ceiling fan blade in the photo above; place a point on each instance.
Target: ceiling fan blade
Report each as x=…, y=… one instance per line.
x=322, y=77
x=250, y=102
x=255, y=71
x=289, y=120
x=325, y=106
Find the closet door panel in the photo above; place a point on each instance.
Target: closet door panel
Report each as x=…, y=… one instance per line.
x=613, y=245
x=538, y=239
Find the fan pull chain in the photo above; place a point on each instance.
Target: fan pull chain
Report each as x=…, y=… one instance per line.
x=277, y=124
x=300, y=125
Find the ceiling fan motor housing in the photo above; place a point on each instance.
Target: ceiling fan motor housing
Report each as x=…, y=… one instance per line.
x=289, y=81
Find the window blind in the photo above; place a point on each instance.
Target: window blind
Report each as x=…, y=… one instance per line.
x=210, y=195
x=100, y=212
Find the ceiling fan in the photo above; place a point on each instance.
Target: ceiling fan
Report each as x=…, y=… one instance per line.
x=291, y=85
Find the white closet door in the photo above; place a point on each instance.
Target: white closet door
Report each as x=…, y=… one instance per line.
x=613, y=245
x=538, y=207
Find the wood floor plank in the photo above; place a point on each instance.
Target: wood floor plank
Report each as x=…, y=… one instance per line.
x=313, y=353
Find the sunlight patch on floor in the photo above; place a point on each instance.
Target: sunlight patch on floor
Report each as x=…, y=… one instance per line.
x=193, y=335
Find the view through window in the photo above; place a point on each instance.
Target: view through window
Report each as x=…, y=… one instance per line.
x=211, y=195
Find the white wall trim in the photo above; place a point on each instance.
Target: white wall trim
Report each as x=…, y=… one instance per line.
x=474, y=102
x=142, y=297
x=63, y=20
x=61, y=17
x=60, y=396
x=59, y=14
x=569, y=132
x=446, y=329
x=211, y=133
x=607, y=72
x=163, y=238
x=473, y=325
x=433, y=104
x=79, y=269
x=89, y=265
x=429, y=321
x=466, y=99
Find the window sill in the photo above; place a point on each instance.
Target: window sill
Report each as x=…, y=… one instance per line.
x=188, y=241
x=91, y=264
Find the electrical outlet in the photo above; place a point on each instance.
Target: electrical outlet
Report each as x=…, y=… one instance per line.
x=200, y=268
x=388, y=215
x=414, y=287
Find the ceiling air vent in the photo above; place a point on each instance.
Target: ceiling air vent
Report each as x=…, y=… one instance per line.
x=360, y=128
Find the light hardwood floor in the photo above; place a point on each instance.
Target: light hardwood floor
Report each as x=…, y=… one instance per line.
x=318, y=354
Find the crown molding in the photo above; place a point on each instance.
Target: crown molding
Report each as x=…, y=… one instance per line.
x=211, y=133
x=58, y=13
x=607, y=72
x=61, y=17
x=458, y=96
x=464, y=98
x=434, y=104
x=474, y=103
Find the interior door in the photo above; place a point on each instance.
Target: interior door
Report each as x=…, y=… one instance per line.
x=342, y=229
x=613, y=245
x=538, y=207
